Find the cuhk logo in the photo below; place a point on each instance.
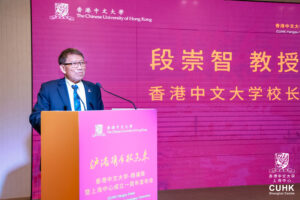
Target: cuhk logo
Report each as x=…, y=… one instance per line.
x=281, y=160
x=61, y=12
x=99, y=130
x=282, y=176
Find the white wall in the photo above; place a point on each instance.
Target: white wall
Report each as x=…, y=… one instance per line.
x=15, y=99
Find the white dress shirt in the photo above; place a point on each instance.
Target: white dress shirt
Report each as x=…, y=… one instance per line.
x=80, y=91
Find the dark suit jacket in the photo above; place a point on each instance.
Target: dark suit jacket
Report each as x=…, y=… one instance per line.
x=53, y=95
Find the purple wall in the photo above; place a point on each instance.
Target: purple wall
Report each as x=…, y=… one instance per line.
x=201, y=143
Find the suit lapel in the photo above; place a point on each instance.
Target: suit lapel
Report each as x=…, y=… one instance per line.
x=63, y=92
x=88, y=95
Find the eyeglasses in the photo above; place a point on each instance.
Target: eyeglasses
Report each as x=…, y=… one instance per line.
x=75, y=65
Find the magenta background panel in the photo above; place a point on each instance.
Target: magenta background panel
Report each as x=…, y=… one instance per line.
x=201, y=143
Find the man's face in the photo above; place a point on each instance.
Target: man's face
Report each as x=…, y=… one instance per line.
x=73, y=68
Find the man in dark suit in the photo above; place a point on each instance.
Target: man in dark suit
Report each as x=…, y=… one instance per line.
x=69, y=93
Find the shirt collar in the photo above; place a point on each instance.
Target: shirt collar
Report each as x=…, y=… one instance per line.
x=70, y=83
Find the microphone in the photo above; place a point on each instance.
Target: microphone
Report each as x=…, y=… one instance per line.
x=100, y=86
x=82, y=102
x=73, y=86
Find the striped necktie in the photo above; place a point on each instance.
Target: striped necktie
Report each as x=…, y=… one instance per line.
x=77, y=106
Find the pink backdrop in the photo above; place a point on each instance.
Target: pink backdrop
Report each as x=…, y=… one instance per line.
x=204, y=142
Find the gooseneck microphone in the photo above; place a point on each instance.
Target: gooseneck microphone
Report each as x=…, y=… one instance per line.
x=100, y=86
x=82, y=102
x=84, y=106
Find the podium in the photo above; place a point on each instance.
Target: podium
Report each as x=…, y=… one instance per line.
x=89, y=155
